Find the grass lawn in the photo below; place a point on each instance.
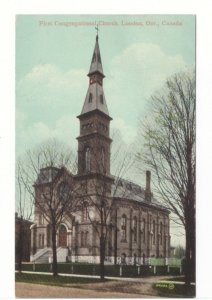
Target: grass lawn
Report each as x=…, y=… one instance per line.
x=52, y=280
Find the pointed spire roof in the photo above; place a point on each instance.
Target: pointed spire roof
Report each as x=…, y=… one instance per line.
x=96, y=62
x=95, y=98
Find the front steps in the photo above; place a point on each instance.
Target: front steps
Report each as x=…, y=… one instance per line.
x=45, y=255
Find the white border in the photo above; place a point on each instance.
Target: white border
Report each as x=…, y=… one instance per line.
x=202, y=9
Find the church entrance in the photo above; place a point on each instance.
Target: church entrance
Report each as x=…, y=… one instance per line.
x=62, y=236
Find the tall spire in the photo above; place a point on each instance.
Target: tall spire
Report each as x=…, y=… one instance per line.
x=95, y=98
x=96, y=62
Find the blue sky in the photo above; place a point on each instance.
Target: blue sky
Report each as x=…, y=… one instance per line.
x=52, y=62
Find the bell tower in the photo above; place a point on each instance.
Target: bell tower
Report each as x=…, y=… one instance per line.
x=94, y=140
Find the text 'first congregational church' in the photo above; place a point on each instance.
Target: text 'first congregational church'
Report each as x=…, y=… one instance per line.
x=135, y=227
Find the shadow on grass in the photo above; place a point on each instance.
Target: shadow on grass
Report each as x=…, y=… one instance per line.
x=53, y=280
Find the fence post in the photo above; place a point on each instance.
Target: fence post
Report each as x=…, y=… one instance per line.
x=50, y=267
x=180, y=269
x=168, y=269
x=33, y=266
x=120, y=270
x=139, y=270
x=154, y=269
x=72, y=269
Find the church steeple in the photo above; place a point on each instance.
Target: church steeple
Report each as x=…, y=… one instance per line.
x=96, y=62
x=95, y=98
x=94, y=140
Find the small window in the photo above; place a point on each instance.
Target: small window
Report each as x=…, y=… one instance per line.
x=124, y=228
x=90, y=98
x=101, y=99
x=94, y=57
x=99, y=58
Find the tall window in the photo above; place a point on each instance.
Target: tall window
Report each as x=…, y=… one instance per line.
x=82, y=239
x=144, y=230
x=87, y=159
x=124, y=227
x=135, y=229
x=41, y=240
x=154, y=232
x=103, y=158
x=90, y=98
x=86, y=238
x=84, y=211
x=161, y=233
x=101, y=99
x=41, y=219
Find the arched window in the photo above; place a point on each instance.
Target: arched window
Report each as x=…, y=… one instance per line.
x=135, y=229
x=154, y=232
x=82, y=239
x=62, y=238
x=124, y=228
x=87, y=159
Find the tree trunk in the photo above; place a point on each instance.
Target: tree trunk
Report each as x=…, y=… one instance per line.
x=20, y=247
x=115, y=239
x=54, y=251
x=190, y=250
x=102, y=257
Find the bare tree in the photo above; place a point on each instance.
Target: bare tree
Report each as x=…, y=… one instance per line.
x=44, y=173
x=24, y=207
x=169, y=151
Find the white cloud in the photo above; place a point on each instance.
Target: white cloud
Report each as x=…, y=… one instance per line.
x=137, y=73
x=64, y=129
x=128, y=132
x=47, y=85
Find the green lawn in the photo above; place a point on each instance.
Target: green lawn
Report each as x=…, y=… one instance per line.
x=52, y=280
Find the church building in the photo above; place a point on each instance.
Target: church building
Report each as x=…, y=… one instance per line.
x=136, y=225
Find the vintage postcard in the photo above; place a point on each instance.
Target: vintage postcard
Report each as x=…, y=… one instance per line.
x=105, y=156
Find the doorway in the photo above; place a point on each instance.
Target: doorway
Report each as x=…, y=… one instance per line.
x=62, y=236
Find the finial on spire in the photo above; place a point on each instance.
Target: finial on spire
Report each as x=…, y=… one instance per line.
x=97, y=32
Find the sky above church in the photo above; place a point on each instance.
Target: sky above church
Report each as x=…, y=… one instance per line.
x=53, y=56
